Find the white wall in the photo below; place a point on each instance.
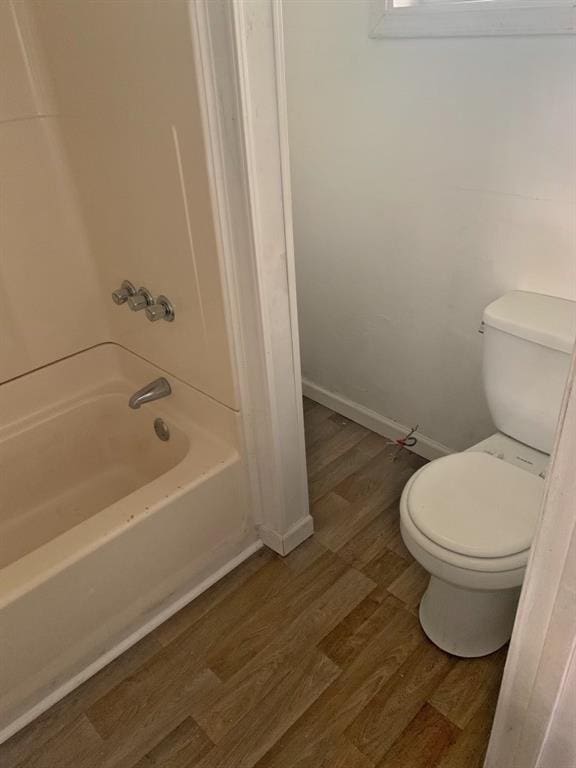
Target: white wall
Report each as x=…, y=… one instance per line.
x=429, y=177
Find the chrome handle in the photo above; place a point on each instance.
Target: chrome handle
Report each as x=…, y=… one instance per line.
x=121, y=295
x=161, y=309
x=141, y=299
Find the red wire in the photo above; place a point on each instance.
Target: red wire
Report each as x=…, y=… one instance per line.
x=408, y=441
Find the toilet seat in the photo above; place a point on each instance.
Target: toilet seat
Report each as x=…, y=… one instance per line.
x=475, y=505
x=448, y=564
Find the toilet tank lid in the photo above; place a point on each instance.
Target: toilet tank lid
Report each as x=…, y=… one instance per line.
x=546, y=320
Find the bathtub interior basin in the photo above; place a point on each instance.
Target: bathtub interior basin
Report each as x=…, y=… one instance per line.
x=75, y=462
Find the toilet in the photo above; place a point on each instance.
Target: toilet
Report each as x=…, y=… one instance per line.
x=469, y=518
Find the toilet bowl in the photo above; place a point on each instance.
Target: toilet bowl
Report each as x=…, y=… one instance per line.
x=469, y=519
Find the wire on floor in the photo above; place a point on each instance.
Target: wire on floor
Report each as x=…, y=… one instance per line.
x=406, y=442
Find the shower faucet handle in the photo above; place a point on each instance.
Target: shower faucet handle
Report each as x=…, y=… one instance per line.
x=161, y=309
x=141, y=299
x=121, y=295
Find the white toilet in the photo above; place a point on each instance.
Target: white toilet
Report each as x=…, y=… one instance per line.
x=469, y=518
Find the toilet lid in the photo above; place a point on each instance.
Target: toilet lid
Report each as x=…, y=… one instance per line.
x=475, y=504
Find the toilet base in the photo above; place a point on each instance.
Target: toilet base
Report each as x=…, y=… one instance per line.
x=466, y=622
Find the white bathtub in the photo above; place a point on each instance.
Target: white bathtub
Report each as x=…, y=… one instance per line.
x=105, y=530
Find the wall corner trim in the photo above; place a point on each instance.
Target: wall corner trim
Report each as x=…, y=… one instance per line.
x=285, y=543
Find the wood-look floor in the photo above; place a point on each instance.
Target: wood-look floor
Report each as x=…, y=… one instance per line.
x=312, y=661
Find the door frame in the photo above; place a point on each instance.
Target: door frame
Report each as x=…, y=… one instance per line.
x=534, y=697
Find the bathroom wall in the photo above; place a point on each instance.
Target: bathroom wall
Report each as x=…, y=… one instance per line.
x=49, y=290
x=123, y=77
x=429, y=177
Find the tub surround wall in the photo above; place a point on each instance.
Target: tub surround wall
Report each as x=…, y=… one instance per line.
x=103, y=175
x=429, y=178
x=132, y=128
x=49, y=294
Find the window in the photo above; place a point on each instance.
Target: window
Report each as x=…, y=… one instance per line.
x=440, y=18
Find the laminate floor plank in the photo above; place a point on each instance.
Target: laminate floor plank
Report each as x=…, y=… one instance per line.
x=386, y=569
x=320, y=428
x=29, y=741
x=374, y=540
x=303, y=556
x=255, y=680
x=316, y=660
x=228, y=616
x=324, y=452
x=330, y=513
x=338, y=644
x=348, y=641
x=309, y=405
x=387, y=471
x=350, y=519
x=470, y=746
x=137, y=717
x=396, y=542
x=383, y=720
x=186, y=744
x=68, y=748
x=341, y=703
x=323, y=431
x=423, y=743
x=315, y=416
x=410, y=585
x=243, y=746
x=468, y=685
x=345, y=465
x=340, y=754
x=249, y=637
x=208, y=601
x=332, y=753
x=369, y=492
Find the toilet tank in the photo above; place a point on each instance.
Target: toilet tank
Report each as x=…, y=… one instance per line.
x=528, y=341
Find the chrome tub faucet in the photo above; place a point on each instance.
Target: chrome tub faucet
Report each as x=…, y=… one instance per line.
x=156, y=390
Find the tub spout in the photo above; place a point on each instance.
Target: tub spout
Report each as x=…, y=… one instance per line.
x=154, y=391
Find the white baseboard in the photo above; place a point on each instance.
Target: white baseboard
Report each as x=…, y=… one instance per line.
x=158, y=618
x=425, y=447
x=285, y=543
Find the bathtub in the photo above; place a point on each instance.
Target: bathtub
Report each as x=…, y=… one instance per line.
x=105, y=529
